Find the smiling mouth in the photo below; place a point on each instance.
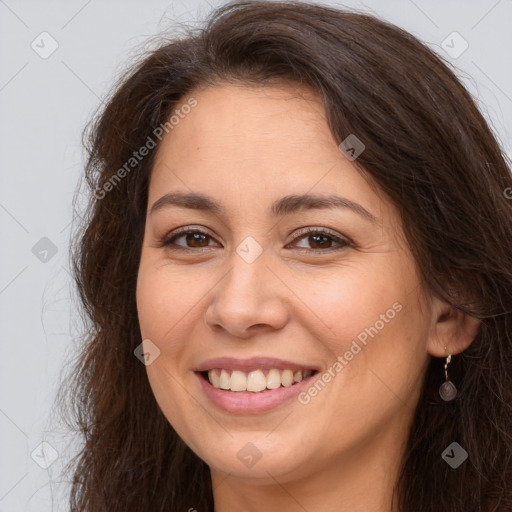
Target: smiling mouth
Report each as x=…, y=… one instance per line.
x=255, y=381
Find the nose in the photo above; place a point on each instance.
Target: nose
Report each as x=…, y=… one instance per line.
x=248, y=299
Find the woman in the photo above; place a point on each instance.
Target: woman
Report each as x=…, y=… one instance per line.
x=297, y=266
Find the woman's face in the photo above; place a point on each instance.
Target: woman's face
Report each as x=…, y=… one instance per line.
x=275, y=282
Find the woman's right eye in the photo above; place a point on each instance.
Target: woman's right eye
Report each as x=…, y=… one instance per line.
x=194, y=237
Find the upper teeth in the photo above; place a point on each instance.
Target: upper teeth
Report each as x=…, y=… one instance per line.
x=256, y=380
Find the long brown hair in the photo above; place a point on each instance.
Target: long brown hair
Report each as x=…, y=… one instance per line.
x=427, y=147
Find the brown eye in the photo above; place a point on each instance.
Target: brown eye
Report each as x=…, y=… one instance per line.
x=194, y=239
x=322, y=240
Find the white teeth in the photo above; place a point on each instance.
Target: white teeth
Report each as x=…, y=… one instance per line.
x=273, y=379
x=287, y=378
x=255, y=381
x=225, y=380
x=238, y=381
x=214, y=378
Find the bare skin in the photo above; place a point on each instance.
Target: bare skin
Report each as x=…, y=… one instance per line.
x=303, y=299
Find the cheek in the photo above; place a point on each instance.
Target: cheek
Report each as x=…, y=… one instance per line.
x=152, y=306
x=384, y=359
x=346, y=302
x=374, y=323
x=162, y=310
x=164, y=301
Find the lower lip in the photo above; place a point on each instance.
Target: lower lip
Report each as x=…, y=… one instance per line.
x=247, y=402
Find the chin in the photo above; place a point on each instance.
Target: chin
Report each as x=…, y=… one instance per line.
x=246, y=456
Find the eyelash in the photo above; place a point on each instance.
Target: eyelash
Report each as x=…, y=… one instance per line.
x=169, y=240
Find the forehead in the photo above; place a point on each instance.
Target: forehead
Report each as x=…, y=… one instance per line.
x=255, y=144
x=246, y=120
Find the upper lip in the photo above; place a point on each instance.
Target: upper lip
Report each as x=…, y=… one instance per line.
x=254, y=363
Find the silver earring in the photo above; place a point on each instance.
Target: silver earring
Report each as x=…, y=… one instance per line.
x=447, y=390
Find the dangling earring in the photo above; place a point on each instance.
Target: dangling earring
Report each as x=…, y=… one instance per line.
x=447, y=390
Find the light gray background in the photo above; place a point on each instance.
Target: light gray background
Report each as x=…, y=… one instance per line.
x=44, y=105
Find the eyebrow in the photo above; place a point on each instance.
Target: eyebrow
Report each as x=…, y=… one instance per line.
x=286, y=205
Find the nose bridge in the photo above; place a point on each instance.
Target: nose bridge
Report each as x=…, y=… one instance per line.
x=244, y=285
x=247, y=294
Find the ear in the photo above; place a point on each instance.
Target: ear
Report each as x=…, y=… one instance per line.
x=451, y=331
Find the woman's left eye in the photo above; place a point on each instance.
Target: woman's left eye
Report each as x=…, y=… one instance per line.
x=320, y=237
x=316, y=238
